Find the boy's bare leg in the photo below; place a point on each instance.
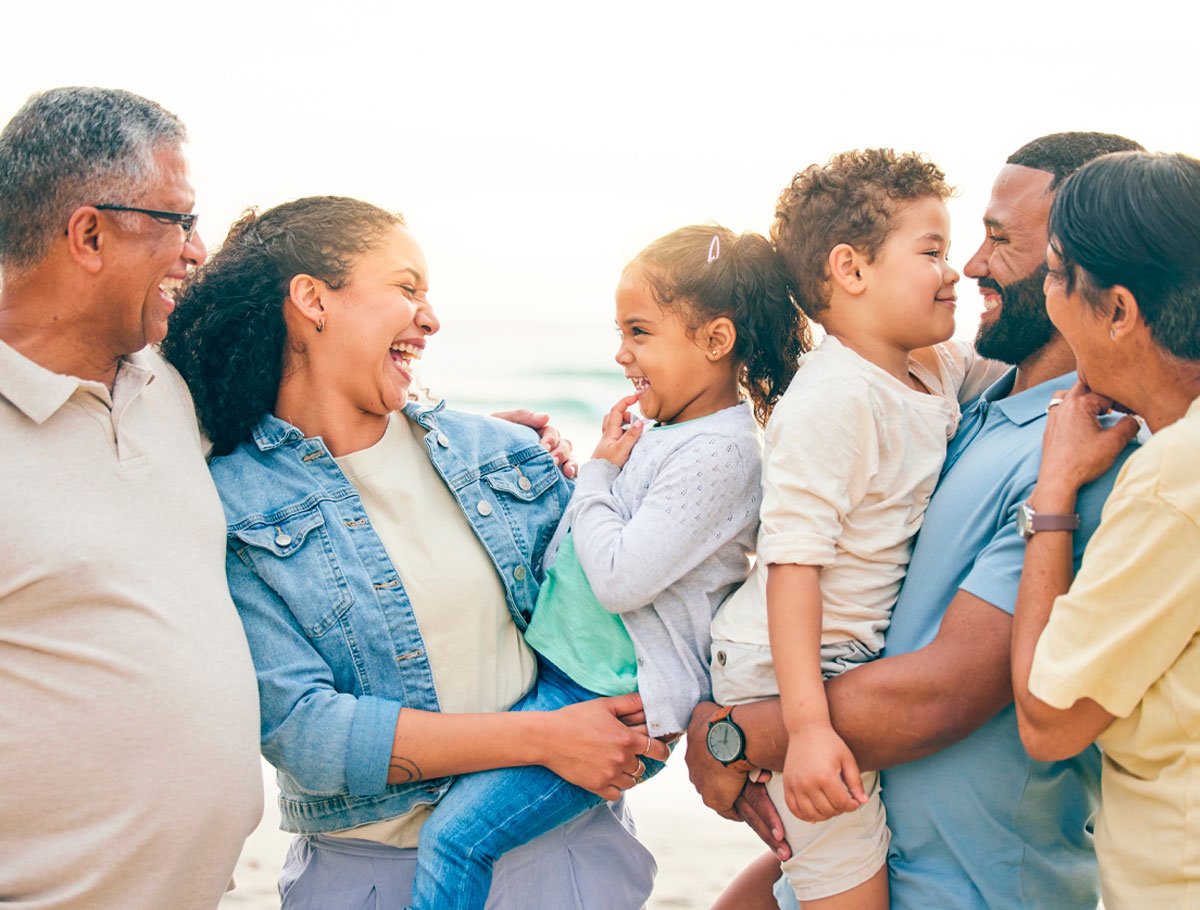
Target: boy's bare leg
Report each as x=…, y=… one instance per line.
x=752, y=889
x=870, y=895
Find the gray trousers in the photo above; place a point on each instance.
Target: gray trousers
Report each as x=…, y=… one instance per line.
x=592, y=863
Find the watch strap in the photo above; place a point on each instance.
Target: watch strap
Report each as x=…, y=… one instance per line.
x=722, y=713
x=1042, y=521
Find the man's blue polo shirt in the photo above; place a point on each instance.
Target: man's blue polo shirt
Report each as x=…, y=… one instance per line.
x=981, y=824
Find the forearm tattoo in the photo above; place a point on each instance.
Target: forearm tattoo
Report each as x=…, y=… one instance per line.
x=404, y=770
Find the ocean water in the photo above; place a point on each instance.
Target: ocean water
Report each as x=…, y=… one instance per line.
x=568, y=371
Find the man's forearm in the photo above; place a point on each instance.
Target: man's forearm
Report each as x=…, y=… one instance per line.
x=898, y=709
x=858, y=704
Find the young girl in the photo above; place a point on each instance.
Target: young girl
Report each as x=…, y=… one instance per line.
x=658, y=532
x=852, y=455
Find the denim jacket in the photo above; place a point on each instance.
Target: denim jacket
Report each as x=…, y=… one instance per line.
x=335, y=644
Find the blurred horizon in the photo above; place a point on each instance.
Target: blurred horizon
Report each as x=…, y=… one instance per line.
x=534, y=148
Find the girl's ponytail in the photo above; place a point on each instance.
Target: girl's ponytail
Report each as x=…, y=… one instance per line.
x=772, y=329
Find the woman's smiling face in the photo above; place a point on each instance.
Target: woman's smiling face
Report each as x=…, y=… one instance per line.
x=377, y=325
x=1079, y=322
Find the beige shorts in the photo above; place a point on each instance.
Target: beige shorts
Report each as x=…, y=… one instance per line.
x=828, y=857
x=743, y=672
x=839, y=853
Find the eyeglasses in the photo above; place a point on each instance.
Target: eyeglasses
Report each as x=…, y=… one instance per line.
x=186, y=220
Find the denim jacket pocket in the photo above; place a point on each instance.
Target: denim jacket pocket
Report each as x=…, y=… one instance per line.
x=515, y=488
x=525, y=481
x=295, y=557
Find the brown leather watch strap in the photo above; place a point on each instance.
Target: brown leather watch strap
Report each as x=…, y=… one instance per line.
x=722, y=713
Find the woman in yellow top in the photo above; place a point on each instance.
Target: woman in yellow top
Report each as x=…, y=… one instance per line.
x=1114, y=654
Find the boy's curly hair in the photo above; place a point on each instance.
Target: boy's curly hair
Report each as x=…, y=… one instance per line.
x=853, y=199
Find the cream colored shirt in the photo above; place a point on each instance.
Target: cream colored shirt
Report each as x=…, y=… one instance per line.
x=479, y=659
x=851, y=459
x=1127, y=635
x=129, y=769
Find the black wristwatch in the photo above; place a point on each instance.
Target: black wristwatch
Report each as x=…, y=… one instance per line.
x=1030, y=522
x=726, y=741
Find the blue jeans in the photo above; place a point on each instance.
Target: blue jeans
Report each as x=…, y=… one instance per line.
x=486, y=814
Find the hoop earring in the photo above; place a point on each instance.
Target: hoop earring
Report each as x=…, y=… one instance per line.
x=320, y=326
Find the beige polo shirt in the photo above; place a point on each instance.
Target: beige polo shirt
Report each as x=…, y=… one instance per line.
x=1127, y=635
x=129, y=770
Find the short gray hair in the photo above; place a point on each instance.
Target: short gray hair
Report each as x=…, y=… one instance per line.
x=68, y=147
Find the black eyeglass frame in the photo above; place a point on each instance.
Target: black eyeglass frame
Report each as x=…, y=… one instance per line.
x=186, y=220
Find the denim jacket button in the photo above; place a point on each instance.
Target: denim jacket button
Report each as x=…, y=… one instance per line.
x=443, y=440
x=484, y=508
x=524, y=483
x=519, y=573
x=282, y=539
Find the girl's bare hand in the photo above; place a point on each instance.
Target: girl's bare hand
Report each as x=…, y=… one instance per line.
x=618, y=433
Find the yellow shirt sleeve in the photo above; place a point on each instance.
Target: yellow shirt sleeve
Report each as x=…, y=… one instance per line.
x=1132, y=610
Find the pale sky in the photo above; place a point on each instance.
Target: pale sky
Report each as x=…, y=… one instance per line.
x=534, y=148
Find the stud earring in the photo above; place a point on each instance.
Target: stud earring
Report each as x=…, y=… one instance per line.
x=320, y=326
x=1112, y=334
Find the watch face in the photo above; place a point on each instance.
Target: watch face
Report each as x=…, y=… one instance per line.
x=1025, y=520
x=725, y=741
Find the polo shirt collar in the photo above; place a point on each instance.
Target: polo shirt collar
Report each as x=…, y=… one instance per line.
x=38, y=392
x=1028, y=405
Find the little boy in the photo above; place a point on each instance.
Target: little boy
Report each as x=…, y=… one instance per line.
x=853, y=451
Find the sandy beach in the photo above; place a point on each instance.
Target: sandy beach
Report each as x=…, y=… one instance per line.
x=697, y=851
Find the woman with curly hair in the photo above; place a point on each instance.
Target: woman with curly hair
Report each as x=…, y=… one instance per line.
x=385, y=558
x=1113, y=654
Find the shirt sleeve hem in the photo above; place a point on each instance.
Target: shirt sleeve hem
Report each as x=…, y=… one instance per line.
x=797, y=549
x=596, y=475
x=1059, y=691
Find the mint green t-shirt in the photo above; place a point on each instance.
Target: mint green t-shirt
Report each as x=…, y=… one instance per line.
x=572, y=630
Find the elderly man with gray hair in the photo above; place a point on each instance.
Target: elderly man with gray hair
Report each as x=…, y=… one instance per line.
x=129, y=772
